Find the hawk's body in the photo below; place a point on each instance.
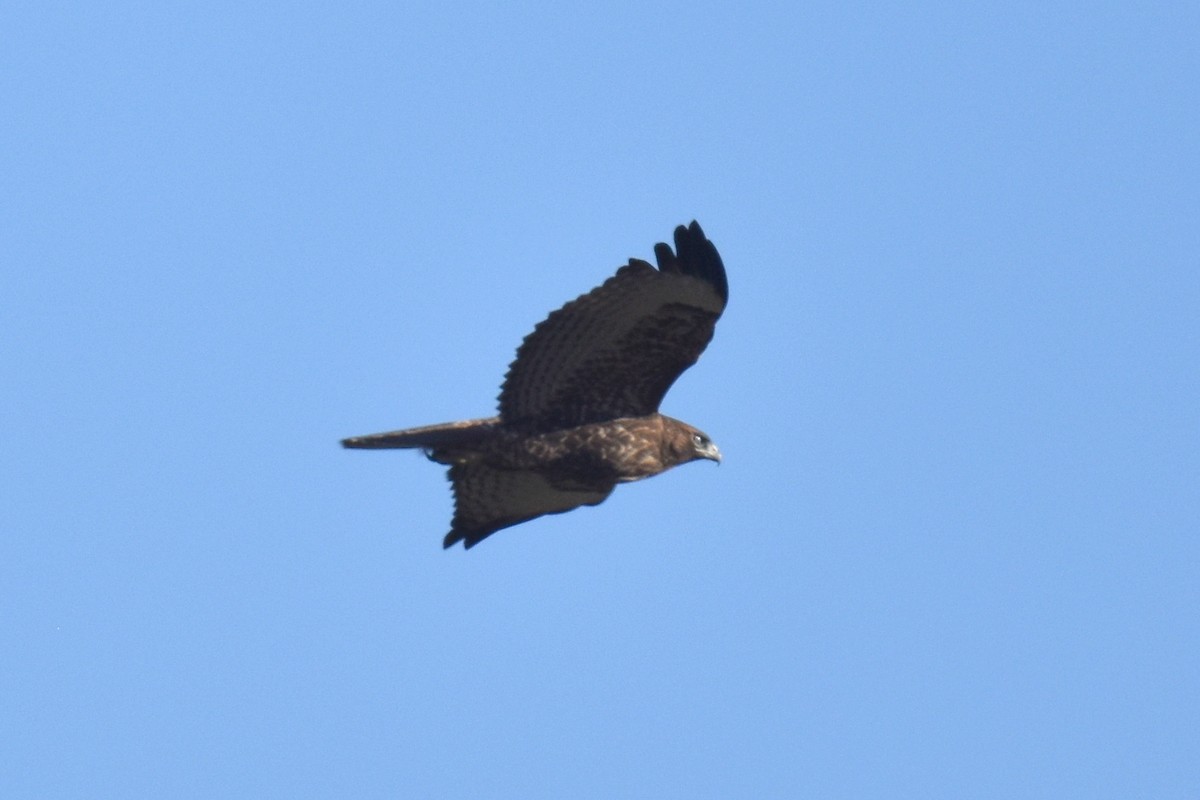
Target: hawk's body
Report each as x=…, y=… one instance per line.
x=579, y=406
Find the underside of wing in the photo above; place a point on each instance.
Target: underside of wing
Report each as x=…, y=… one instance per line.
x=615, y=351
x=488, y=499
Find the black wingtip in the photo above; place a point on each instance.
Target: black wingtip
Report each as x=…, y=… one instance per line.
x=468, y=541
x=694, y=255
x=665, y=258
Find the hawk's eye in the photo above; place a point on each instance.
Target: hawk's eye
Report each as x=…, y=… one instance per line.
x=699, y=440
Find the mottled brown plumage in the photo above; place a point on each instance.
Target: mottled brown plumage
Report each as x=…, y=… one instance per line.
x=579, y=405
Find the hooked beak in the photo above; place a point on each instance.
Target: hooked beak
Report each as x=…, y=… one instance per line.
x=711, y=453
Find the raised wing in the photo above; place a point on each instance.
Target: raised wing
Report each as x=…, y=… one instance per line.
x=615, y=351
x=488, y=499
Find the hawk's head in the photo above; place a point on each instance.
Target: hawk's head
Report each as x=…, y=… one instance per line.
x=683, y=443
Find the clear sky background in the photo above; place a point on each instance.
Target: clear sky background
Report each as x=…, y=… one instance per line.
x=952, y=552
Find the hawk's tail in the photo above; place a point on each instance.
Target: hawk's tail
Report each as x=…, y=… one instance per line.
x=430, y=437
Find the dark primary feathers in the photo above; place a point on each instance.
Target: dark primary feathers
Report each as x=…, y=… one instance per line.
x=579, y=405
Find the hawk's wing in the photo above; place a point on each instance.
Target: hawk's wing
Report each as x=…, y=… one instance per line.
x=615, y=351
x=488, y=499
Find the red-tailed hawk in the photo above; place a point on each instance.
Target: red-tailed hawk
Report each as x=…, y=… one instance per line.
x=579, y=406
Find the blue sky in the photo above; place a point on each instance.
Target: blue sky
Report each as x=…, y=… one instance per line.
x=952, y=551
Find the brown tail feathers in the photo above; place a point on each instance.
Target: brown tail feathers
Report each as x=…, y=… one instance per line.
x=429, y=437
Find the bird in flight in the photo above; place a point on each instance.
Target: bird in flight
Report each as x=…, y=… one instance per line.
x=578, y=410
